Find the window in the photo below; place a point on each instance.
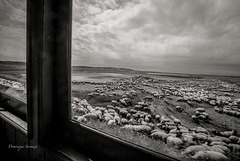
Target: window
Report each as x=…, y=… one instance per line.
x=13, y=54
x=164, y=113
x=120, y=52
x=105, y=97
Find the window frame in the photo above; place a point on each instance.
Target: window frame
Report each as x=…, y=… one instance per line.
x=13, y=105
x=49, y=26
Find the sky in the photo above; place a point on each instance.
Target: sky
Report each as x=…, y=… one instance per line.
x=181, y=36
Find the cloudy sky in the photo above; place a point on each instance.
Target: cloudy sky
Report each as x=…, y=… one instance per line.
x=189, y=36
x=13, y=30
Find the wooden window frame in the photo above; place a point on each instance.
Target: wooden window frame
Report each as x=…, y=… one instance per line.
x=49, y=25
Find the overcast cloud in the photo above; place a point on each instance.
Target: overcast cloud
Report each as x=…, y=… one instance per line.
x=13, y=30
x=192, y=36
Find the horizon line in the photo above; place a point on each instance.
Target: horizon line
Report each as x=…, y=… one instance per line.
x=138, y=70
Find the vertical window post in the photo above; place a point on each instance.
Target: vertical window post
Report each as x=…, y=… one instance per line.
x=48, y=68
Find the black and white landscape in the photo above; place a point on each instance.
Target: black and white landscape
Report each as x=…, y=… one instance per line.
x=160, y=74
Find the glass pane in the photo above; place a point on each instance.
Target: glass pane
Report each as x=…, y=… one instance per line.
x=13, y=48
x=161, y=74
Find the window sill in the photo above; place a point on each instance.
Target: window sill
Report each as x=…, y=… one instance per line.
x=66, y=153
x=97, y=144
x=60, y=151
x=15, y=121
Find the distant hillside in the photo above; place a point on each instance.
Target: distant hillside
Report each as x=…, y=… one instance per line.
x=21, y=66
x=12, y=62
x=18, y=66
x=12, y=66
x=101, y=69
